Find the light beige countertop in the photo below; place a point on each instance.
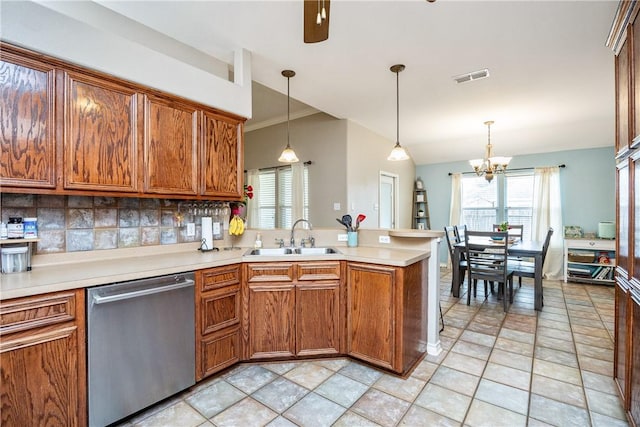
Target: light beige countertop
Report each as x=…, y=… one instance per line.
x=60, y=272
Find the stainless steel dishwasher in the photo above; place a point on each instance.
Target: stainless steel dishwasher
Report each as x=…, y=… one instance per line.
x=141, y=344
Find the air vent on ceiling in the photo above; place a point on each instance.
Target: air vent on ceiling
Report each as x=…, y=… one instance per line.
x=474, y=75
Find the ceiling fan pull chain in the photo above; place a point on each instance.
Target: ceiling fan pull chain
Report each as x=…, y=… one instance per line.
x=319, y=17
x=324, y=12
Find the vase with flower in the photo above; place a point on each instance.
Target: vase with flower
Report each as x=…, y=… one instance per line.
x=240, y=208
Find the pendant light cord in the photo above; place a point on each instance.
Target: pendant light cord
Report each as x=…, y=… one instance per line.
x=288, y=110
x=397, y=107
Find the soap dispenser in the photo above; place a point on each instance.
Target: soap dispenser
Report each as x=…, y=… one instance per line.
x=258, y=243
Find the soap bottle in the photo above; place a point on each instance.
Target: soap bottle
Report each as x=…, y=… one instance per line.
x=258, y=243
x=3, y=230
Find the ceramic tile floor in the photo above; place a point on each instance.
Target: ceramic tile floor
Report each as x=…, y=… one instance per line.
x=523, y=368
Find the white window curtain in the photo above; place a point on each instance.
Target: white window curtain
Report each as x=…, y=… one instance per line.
x=547, y=212
x=297, y=187
x=253, y=205
x=455, y=213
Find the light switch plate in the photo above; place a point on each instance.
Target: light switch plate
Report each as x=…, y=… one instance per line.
x=191, y=229
x=384, y=239
x=342, y=238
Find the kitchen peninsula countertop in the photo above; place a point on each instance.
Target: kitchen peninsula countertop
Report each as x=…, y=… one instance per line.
x=60, y=272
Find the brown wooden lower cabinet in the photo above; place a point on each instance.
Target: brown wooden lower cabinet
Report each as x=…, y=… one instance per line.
x=218, y=308
x=43, y=370
x=621, y=341
x=294, y=309
x=634, y=380
x=386, y=310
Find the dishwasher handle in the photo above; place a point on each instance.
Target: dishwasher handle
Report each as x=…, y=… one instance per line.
x=135, y=294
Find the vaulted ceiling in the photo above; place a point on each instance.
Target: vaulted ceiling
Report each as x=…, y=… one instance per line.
x=551, y=83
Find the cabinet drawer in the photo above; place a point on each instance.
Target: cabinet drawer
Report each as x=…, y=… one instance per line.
x=270, y=272
x=220, y=309
x=220, y=277
x=319, y=270
x=600, y=244
x=34, y=312
x=218, y=351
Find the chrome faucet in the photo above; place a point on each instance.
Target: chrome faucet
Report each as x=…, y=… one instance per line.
x=292, y=241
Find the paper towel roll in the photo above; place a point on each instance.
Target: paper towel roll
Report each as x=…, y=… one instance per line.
x=207, y=233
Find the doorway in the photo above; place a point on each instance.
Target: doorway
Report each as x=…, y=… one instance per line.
x=388, y=206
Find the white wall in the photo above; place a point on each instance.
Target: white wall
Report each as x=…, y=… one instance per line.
x=319, y=138
x=77, y=32
x=366, y=157
x=347, y=160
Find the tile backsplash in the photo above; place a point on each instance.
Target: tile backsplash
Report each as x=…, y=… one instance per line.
x=85, y=223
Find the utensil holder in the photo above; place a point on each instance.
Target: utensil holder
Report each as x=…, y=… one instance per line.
x=352, y=239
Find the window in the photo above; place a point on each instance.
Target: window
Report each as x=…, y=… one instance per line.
x=507, y=198
x=275, y=199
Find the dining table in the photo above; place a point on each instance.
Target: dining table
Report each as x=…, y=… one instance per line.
x=519, y=248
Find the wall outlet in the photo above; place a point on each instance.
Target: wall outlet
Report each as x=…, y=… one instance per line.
x=336, y=206
x=342, y=238
x=191, y=229
x=384, y=239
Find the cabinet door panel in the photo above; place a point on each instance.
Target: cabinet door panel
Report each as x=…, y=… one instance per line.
x=634, y=250
x=170, y=147
x=318, y=319
x=634, y=393
x=622, y=99
x=27, y=128
x=371, y=305
x=622, y=240
x=222, y=157
x=46, y=367
x=271, y=320
x=621, y=335
x=101, y=141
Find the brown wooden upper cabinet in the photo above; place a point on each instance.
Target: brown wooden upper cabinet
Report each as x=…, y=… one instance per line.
x=170, y=147
x=222, y=156
x=100, y=135
x=27, y=131
x=67, y=129
x=622, y=99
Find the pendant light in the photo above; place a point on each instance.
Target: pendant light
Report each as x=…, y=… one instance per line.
x=288, y=155
x=398, y=153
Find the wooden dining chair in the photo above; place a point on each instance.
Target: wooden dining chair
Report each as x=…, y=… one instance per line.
x=528, y=268
x=487, y=260
x=452, y=239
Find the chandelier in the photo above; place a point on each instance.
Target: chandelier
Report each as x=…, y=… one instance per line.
x=490, y=165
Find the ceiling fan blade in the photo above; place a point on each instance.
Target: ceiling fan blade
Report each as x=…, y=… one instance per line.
x=313, y=32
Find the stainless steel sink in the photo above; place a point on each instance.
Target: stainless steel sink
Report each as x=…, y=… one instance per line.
x=291, y=251
x=316, y=251
x=270, y=251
